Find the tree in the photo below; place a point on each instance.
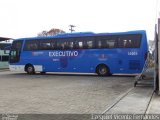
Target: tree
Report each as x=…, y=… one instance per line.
x=52, y=32
x=43, y=33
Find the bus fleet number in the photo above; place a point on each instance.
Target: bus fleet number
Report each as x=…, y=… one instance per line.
x=132, y=53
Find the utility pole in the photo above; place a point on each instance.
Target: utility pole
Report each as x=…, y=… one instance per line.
x=71, y=28
x=158, y=56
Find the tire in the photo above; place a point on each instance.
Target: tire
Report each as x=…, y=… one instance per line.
x=102, y=70
x=30, y=69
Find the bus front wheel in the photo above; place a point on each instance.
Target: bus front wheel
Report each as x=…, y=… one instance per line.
x=102, y=70
x=30, y=69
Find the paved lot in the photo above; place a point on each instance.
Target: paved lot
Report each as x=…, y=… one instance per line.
x=154, y=107
x=57, y=93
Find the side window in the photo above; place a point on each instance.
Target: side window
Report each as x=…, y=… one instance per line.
x=136, y=41
x=84, y=43
x=65, y=43
x=70, y=44
x=17, y=44
x=53, y=44
x=5, y=46
x=106, y=42
x=4, y=58
x=76, y=43
x=62, y=44
x=129, y=41
x=111, y=43
x=46, y=44
x=31, y=45
x=90, y=42
x=79, y=43
x=99, y=44
x=58, y=44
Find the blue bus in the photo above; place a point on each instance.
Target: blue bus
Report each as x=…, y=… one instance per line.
x=86, y=52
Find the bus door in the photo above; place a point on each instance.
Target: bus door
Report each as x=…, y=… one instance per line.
x=15, y=51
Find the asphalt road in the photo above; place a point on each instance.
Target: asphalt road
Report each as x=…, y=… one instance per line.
x=59, y=93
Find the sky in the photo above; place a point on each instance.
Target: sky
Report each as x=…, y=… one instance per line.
x=26, y=18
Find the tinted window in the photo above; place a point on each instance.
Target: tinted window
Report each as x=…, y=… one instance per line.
x=47, y=44
x=4, y=46
x=62, y=44
x=129, y=41
x=17, y=44
x=70, y=44
x=84, y=43
x=106, y=42
x=90, y=42
x=79, y=43
x=4, y=58
x=31, y=45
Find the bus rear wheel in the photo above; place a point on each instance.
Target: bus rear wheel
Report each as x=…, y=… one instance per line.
x=102, y=70
x=30, y=69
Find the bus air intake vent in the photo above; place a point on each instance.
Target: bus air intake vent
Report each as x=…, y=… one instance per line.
x=134, y=64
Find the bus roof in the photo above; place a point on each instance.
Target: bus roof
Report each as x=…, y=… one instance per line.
x=82, y=34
